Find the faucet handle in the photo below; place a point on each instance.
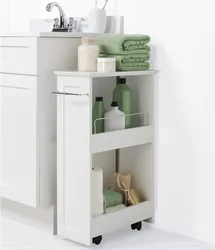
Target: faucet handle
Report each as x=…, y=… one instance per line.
x=56, y=23
x=71, y=25
x=71, y=20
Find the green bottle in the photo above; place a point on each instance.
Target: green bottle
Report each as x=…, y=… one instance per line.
x=123, y=95
x=98, y=112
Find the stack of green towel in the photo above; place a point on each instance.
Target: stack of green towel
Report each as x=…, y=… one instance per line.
x=131, y=51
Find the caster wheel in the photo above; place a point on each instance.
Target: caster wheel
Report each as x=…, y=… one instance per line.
x=137, y=226
x=97, y=240
x=133, y=226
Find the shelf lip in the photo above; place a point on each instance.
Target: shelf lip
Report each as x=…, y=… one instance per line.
x=110, y=222
x=121, y=139
x=108, y=74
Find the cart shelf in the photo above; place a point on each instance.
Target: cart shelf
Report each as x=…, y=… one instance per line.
x=121, y=139
x=110, y=222
x=108, y=74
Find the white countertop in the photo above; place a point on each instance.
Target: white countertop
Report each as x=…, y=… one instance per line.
x=50, y=34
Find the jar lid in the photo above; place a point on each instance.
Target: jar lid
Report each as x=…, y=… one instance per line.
x=106, y=60
x=88, y=40
x=114, y=104
x=99, y=99
x=122, y=81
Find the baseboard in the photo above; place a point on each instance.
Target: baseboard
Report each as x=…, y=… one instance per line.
x=42, y=219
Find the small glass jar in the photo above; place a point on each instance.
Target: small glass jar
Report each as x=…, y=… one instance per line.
x=106, y=65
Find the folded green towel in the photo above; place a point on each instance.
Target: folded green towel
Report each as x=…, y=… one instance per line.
x=112, y=198
x=131, y=62
x=123, y=44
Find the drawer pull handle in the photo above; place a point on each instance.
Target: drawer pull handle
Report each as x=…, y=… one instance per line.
x=12, y=87
x=14, y=46
x=65, y=93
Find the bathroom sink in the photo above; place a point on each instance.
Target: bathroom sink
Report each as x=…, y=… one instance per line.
x=44, y=28
x=46, y=25
x=41, y=25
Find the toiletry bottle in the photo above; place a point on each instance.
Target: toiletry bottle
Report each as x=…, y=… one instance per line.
x=88, y=52
x=97, y=192
x=116, y=118
x=98, y=112
x=123, y=95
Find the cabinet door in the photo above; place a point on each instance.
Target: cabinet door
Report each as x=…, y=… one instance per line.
x=18, y=139
x=74, y=164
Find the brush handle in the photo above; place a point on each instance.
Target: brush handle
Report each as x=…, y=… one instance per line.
x=106, y=1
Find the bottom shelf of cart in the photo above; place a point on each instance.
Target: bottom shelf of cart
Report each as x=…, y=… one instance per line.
x=110, y=222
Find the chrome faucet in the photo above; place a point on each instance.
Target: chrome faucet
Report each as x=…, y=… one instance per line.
x=63, y=22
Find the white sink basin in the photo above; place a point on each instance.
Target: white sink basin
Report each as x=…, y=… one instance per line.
x=43, y=28
x=41, y=25
x=114, y=25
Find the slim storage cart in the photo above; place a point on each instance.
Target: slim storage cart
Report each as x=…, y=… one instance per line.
x=79, y=151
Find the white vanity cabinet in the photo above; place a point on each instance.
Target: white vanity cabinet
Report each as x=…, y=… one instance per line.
x=28, y=114
x=79, y=151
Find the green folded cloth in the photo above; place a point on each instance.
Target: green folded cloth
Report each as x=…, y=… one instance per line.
x=123, y=44
x=130, y=62
x=112, y=198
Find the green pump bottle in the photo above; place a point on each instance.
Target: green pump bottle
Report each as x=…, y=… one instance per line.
x=98, y=112
x=123, y=95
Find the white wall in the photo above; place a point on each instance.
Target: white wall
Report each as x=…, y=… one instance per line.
x=185, y=41
x=184, y=36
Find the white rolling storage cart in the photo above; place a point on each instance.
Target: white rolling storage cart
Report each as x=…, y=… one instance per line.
x=79, y=151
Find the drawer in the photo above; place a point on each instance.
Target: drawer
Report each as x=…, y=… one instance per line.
x=18, y=55
x=78, y=86
x=19, y=82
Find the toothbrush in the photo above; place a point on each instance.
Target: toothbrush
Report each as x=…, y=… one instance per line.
x=106, y=1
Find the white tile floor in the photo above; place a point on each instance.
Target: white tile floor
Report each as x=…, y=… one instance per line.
x=15, y=236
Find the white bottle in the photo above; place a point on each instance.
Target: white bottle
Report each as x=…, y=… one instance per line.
x=88, y=52
x=116, y=118
x=97, y=192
